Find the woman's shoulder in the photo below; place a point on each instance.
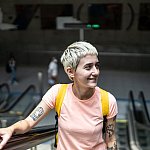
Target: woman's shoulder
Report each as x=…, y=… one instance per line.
x=56, y=87
x=110, y=95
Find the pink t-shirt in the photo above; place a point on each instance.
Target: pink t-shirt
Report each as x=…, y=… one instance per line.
x=81, y=121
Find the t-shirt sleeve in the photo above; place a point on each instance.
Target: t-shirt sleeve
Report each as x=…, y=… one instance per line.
x=113, y=108
x=50, y=96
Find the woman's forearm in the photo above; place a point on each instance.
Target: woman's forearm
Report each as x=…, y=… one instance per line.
x=110, y=138
x=20, y=127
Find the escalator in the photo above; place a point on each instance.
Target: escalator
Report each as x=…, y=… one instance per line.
x=122, y=125
x=7, y=98
x=122, y=134
x=145, y=106
x=13, y=99
x=31, y=139
x=144, y=131
x=141, y=126
x=19, y=108
x=4, y=92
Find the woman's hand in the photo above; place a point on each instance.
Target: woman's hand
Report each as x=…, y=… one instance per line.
x=5, y=135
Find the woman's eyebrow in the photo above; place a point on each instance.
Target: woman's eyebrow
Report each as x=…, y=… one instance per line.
x=87, y=64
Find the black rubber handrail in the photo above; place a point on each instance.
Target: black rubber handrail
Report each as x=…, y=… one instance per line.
x=32, y=138
x=18, y=99
x=131, y=97
x=6, y=86
x=30, y=107
x=132, y=130
x=142, y=97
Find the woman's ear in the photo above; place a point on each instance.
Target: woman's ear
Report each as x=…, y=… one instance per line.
x=70, y=72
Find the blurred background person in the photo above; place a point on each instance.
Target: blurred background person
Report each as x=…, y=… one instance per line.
x=11, y=68
x=53, y=72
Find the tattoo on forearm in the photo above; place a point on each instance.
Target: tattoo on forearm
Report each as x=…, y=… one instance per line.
x=37, y=113
x=110, y=129
x=114, y=147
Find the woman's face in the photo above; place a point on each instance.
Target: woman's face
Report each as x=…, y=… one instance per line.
x=87, y=72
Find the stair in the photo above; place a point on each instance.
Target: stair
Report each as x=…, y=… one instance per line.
x=122, y=134
x=144, y=138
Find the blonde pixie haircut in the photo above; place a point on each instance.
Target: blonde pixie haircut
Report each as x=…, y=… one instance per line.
x=76, y=51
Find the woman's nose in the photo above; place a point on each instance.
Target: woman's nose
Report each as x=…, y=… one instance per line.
x=95, y=70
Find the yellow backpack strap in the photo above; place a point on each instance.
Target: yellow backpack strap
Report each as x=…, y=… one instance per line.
x=105, y=102
x=59, y=101
x=60, y=98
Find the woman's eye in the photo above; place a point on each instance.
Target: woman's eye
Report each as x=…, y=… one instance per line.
x=87, y=67
x=97, y=66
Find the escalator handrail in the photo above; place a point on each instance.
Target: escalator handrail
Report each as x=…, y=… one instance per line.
x=6, y=86
x=143, y=126
x=132, y=116
x=30, y=107
x=134, y=144
x=134, y=123
x=32, y=138
x=142, y=97
x=18, y=99
x=131, y=98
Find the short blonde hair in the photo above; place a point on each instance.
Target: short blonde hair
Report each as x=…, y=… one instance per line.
x=76, y=51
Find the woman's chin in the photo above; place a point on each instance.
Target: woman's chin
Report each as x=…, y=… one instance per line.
x=92, y=85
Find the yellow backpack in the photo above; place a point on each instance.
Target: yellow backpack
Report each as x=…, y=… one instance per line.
x=60, y=98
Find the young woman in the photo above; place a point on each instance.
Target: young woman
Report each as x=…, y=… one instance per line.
x=81, y=120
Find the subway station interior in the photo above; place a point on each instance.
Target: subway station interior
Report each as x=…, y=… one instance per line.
x=36, y=31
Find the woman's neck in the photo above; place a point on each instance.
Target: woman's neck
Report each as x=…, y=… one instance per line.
x=82, y=93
